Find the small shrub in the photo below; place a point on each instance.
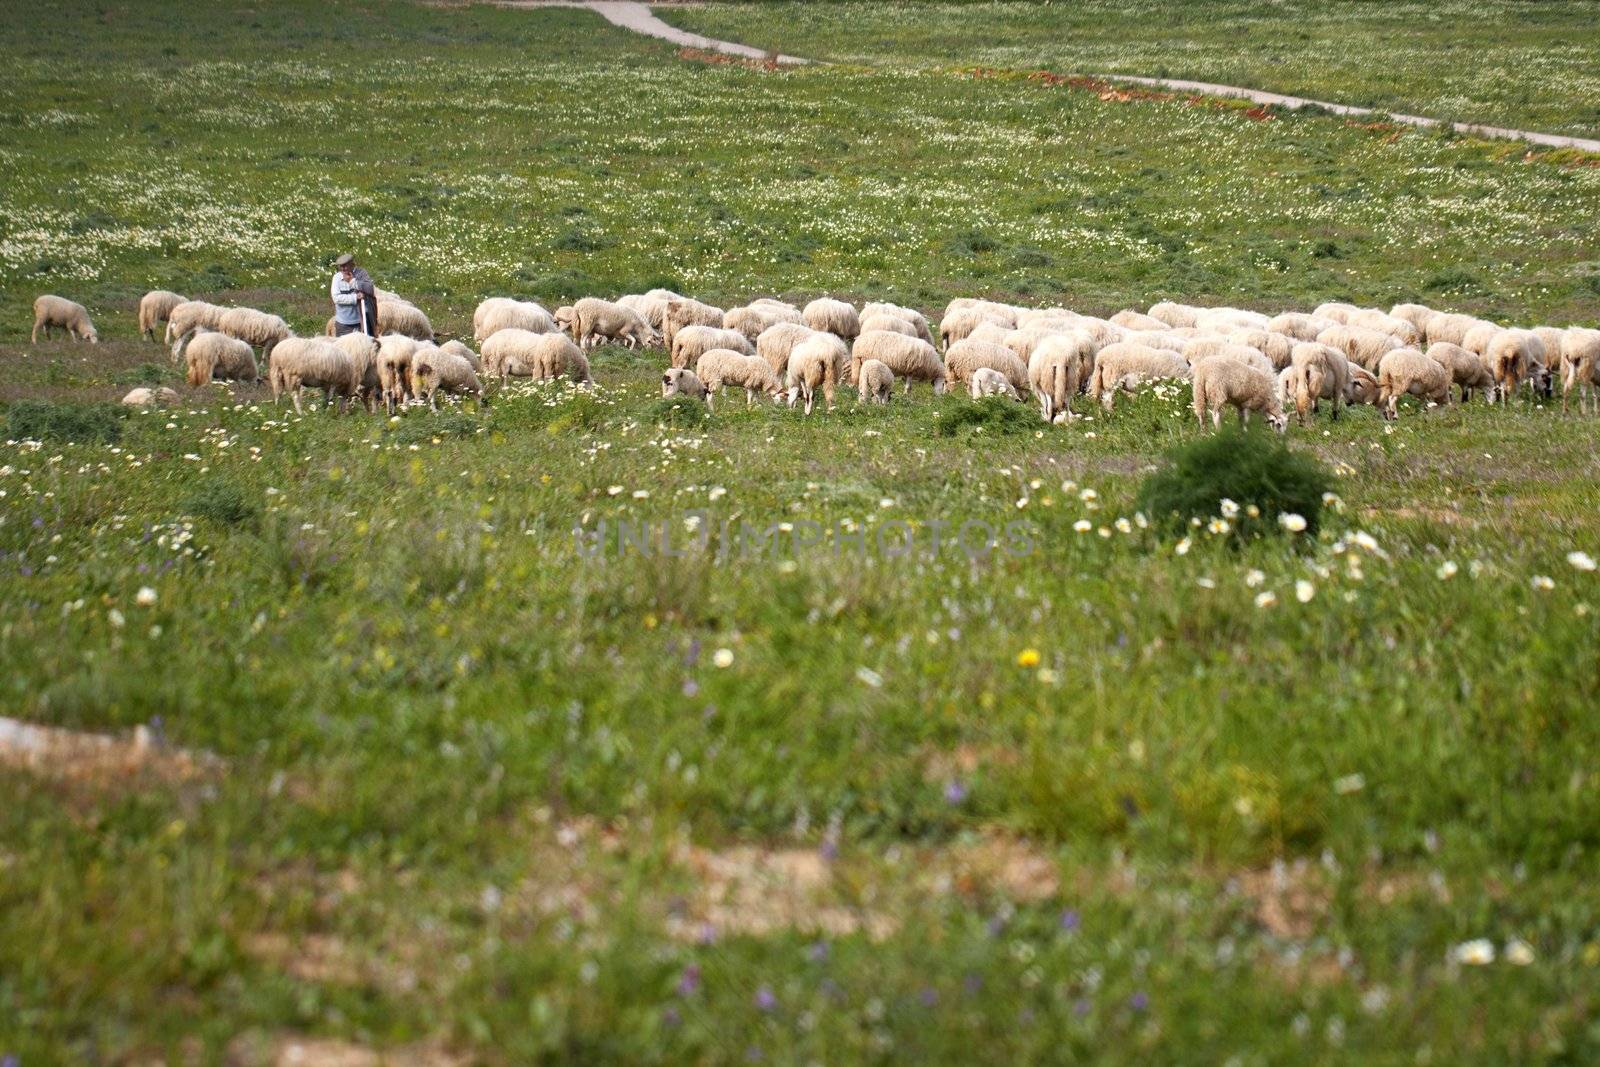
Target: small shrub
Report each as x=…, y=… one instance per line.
x=143, y=374
x=420, y=430
x=971, y=243
x=681, y=411
x=990, y=416
x=1245, y=466
x=45, y=420
x=221, y=502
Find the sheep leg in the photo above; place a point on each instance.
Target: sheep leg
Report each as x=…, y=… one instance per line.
x=35, y=339
x=298, y=410
x=749, y=397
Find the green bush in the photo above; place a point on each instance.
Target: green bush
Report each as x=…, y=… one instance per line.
x=420, y=429
x=681, y=411
x=220, y=501
x=44, y=420
x=990, y=416
x=1245, y=466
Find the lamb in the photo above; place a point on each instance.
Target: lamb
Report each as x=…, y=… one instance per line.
x=875, y=382
x=433, y=369
x=1123, y=366
x=460, y=349
x=725, y=366
x=687, y=312
x=1219, y=381
x=1053, y=372
x=964, y=357
x=1580, y=367
x=399, y=316
x=909, y=358
x=818, y=361
x=208, y=354
x=1136, y=320
x=154, y=309
x=832, y=316
x=1405, y=370
x=1298, y=325
x=1316, y=372
x=1511, y=355
x=692, y=342
x=1465, y=369
x=594, y=321
x=192, y=314
x=316, y=362
x=501, y=313
x=1361, y=346
x=395, y=380
x=535, y=355
x=892, y=323
x=57, y=312
x=986, y=381
x=258, y=329
x=144, y=397
x=676, y=381
x=1174, y=314
x=918, y=321
x=777, y=341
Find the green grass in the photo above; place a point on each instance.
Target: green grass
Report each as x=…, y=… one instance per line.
x=1503, y=63
x=482, y=791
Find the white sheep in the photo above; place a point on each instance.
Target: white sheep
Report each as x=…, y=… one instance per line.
x=1405, y=370
x=403, y=317
x=892, y=323
x=648, y=306
x=725, y=366
x=917, y=320
x=1510, y=356
x=1478, y=339
x=1363, y=388
x=692, y=342
x=677, y=381
x=964, y=357
x=755, y=318
x=1220, y=382
x=363, y=350
x=258, y=329
x=594, y=321
x=1173, y=314
x=395, y=380
x=1362, y=346
x=1402, y=330
x=909, y=358
x=1335, y=311
x=1446, y=326
x=826, y=315
x=1298, y=326
x=817, y=361
x=434, y=370
x=1549, y=372
x=501, y=313
x=1053, y=372
x=154, y=309
x=1316, y=372
x=1580, y=367
x=1122, y=366
x=209, y=355
x=958, y=324
x=687, y=312
x=1129, y=319
x=59, y=313
x=1418, y=315
x=875, y=382
x=145, y=397
x=775, y=344
x=524, y=354
x=1226, y=348
x=191, y=315
x=986, y=381
x=298, y=363
x=1464, y=368
x=460, y=349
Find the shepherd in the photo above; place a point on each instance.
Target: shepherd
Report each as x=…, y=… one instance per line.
x=355, y=299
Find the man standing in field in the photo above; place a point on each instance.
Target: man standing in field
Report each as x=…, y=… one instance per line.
x=355, y=299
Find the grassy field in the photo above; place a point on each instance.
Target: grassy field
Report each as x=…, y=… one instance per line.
x=1505, y=62
x=475, y=796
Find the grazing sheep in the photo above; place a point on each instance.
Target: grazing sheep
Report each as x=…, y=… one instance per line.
x=826, y=315
x=298, y=363
x=1361, y=346
x=1122, y=366
x=395, y=379
x=910, y=358
x=677, y=380
x=1405, y=370
x=144, y=397
x=1373, y=319
x=990, y=333
x=1465, y=369
x=535, y=355
x=649, y=307
x=594, y=321
x=1448, y=327
x=1138, y=320
x=502, y=313
x=190, y=315
x=687, y=312
x=258, y=329
x=433, y=369
x=892, y=323
x=154, y=309
x=1225, y=318
x=964, y=357
x=1220, y=382
x=399, y=316
x=210, y=355
x=1275, y=346
x=1316, y=372
x=59, y=313
x=986, y=381
x=875, y=382
x=458, y=348
x=363, y=350
x=817, y=361
x=1546, y=375
x=1174, y=314
x=1510, y=356
x=1418, y=315
x=1478, y=339
x=1334, y=311
x=1298, y=325
x=918, y=321
x=959, y=324
x=692, y=342
x=785, y=311
x=1225, y=347
x=726, y=366
x=776, y=342
x=755, y=318
x=1363, y=387
x=1054, y=369
x=1580, y=367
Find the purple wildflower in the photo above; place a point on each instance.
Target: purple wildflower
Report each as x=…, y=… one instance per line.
x=1081, y=1007
x=693, y=654
x=1139, y=1001
x=829, y=849
x=672, y=1017
x=690, y=687
x=817, y=952
x=954, y=792
x=972, y=983
x=689, y=982
x=929, y=996
x=1070, y=921
x=765, y=999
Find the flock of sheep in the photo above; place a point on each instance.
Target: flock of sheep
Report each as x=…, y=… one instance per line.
x=1234, y=358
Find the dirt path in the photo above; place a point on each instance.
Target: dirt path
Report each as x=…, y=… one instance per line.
x=638, y=18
